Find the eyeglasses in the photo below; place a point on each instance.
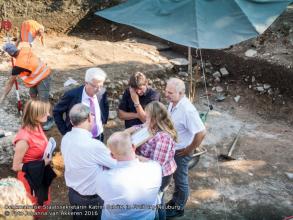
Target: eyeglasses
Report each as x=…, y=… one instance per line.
x=95, y=87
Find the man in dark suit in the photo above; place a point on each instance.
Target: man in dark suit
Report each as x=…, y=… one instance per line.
x=92, y=94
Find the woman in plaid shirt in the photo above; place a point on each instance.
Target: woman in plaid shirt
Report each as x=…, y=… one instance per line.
x=161, y=147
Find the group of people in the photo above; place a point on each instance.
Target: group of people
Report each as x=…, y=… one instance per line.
x=116, y=180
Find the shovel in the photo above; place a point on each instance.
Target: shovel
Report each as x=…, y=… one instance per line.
x=228, y=157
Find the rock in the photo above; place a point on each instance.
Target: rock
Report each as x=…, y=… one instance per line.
x=168, y=66
x=270, y=91
x=69, y=82
x=250, y=86
x=289, y=175
x=125, y=82
x=208, y=71
x=220, y=97
x=251, y=53
x=219, y=89
x=260, y=88
x=111, y=86
x=185, y=74
x=120, y=83
x=179, y=61
x=224, y=71
x=113, y=27
x=217, y=74
x=112, y=115
x=236, y=98
x=6, y=149
x=111, y=124
x=217, y=79
x=253, y=79
x=266, y=86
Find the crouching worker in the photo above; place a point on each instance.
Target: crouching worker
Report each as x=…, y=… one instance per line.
x=30, y=143
x=31, y=29
x=34, y=73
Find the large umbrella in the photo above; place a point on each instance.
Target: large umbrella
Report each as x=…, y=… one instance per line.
x=210, y=24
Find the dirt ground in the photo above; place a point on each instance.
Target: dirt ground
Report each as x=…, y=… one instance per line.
x=254, y=186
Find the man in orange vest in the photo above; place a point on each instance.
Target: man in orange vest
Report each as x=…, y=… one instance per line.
x=31, y=29
x=34, y=73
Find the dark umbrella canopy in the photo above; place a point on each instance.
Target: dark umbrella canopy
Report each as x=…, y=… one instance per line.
x=210, y=24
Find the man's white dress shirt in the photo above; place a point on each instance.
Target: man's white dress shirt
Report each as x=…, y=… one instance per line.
x=84, y=158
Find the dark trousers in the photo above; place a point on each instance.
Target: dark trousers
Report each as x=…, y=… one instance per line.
x=161, y=212
x=100, y=137
x=90, y=207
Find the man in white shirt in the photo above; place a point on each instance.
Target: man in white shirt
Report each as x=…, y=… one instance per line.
x=191, y=132
x=130, y=191
x=84, y=158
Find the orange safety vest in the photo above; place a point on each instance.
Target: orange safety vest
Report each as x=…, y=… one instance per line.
x=29, y=26
x=28, y=60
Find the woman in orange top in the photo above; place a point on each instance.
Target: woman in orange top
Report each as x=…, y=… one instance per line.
x=30, y=142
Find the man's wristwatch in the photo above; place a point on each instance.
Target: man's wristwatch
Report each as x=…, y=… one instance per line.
x=136, y=105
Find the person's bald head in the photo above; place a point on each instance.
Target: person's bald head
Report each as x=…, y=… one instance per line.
x=120, y=146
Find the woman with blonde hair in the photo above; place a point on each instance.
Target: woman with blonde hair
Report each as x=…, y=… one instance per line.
x=161, y=147
x=30, y=144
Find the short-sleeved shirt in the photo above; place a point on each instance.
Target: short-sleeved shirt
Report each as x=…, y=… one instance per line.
x=37, y=142
x=186, y=121
x=127, y=105
x=130, y=191
x=160, y=148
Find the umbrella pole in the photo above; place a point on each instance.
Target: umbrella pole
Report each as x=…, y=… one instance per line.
x=191, y=92
x=189, y=61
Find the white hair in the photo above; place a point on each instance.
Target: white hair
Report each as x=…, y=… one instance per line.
x=95, y=73
x=178, y=84
x=120, y=143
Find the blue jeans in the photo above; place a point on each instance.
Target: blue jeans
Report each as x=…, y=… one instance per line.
x=87, y=213
x=161, y=211
x=181, y=191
